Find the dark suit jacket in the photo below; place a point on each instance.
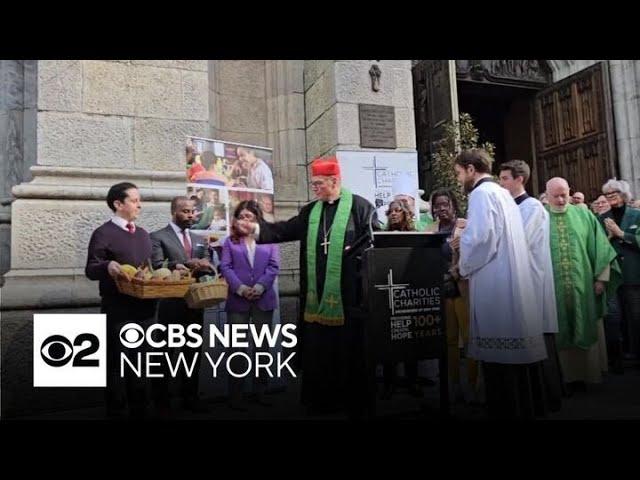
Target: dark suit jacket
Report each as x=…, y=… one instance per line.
x=166, y=245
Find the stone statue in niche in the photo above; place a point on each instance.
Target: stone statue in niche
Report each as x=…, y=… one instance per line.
x=375, y=74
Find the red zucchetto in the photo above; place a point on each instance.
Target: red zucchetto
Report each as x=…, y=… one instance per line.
x=327, y=166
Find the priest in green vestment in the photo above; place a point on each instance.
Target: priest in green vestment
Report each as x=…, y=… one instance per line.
x=331, y=328
x=585, y=271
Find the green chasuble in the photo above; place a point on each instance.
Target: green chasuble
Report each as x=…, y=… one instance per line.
x=580, y=252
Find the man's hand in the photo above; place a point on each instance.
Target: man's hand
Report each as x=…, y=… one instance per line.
x=613, y=228
x=461, y=223
x=455, y=243
x=180, y=266
x=114, y=269
x=197, y=264
x=598, y=287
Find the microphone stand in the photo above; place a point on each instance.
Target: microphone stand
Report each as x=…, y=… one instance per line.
x=363, y=238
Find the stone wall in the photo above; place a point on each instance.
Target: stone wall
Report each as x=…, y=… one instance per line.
x=333, y=90
x=625, y=87
x=96, y=123
x=17, y=140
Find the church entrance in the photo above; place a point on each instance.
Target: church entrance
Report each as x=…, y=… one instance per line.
x=502, y=116
x=562, y=129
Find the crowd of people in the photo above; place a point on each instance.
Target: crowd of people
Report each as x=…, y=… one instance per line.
x=541, y=297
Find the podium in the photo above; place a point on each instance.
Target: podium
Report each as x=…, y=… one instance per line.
x=403, y=275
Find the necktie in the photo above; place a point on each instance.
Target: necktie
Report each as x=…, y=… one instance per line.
x=187, y=243
x=131, y=227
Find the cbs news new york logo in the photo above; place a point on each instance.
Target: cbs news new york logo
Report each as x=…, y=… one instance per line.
x=70, y=350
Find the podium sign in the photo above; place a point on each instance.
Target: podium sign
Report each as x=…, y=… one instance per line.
x=403, y=290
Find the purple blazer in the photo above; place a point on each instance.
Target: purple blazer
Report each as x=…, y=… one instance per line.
x=236, y=270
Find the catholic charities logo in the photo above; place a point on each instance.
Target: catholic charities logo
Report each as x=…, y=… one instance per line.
x=404, y=299
x=392, y=289
x=70, y=350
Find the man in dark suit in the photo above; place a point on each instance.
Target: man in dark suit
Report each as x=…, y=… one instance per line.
x=183, y=250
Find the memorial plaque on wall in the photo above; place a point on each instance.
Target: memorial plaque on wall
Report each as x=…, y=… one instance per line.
x=377, y=126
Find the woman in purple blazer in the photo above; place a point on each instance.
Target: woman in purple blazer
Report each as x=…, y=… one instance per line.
x=250, y=270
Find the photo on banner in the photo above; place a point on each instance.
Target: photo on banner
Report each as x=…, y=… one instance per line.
x=226, y=164
x=211, y=212
x=219, y=176
x=264, y=201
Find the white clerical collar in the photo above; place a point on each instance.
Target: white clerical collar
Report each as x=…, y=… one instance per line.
x=331, y=202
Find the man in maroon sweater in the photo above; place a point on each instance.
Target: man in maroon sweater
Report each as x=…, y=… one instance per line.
x=117, y=242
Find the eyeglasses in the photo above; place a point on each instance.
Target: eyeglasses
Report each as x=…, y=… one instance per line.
x=317, y=183
x=612, y=194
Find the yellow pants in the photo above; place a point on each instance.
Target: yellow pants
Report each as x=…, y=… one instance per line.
x=457, y=311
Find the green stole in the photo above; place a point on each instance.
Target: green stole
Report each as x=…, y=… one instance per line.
x=329, y=311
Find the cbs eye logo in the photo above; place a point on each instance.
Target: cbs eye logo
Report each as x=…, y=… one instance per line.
x=132, y=335
x=69, y=350
x=57, y=350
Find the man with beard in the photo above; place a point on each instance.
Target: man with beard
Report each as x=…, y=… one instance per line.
x=505, y=328
x=177, y=244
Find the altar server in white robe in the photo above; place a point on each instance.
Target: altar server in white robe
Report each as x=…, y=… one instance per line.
x=506, y=331
x=514, y=176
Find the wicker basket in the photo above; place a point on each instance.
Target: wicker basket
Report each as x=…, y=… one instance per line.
x=154, y=288
x=207, y=294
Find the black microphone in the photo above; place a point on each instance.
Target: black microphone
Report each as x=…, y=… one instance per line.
x=368, y=235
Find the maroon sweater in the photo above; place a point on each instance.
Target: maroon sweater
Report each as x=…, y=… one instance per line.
x=110, y=242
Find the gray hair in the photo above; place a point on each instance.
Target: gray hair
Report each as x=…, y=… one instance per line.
x=615, y=185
